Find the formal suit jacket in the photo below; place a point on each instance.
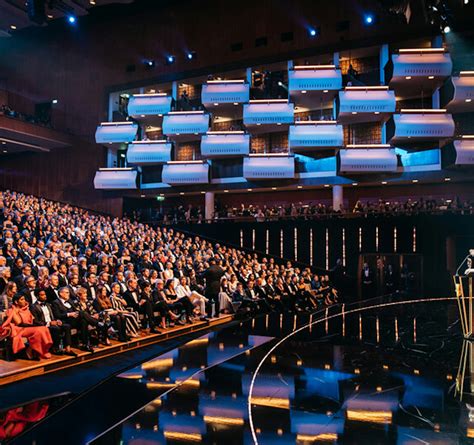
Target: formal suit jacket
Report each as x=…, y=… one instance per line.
x=52, y=294
x=132, y=301
x=213, y=279
x=91, y=291
x=60, y=310
x=38, y=314
x=29, y=294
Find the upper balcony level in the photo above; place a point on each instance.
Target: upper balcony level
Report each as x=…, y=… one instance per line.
x=146, y=107
x=269, y=166
x=219, y=92
x=315, y=135
x=420, y=128
x=225, y=144
x=418, y=69
x=266, y=115
x=149, y=152
x=116, y=179
x=312, y=84
x=185, y=172
x=185, y=125
x=459, y=152
x=116, y=132
x=365, y=104
x=457, y=94
x=362, y=159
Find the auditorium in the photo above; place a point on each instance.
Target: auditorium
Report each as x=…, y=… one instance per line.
x=236, y=223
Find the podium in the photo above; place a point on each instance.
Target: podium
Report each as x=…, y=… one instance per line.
x=464, y=298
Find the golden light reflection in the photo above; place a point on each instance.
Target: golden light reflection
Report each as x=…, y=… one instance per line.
x=159, y=385
x=470, y=433
x=224, y=420
x=185, y=437
x=316, y=438
x=195, y=383
x=197, y=342
x=158, y=363
x=274, y=402
x=384, y=417
x=131, y=376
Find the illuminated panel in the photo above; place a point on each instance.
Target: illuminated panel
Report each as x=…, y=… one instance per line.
x=149, y=152
x=384, y=417
x=149, y=104
x=215, y=144
x=270, y=166
x=187, y=172
x=185, y=122
x=314, y=78
x=274, y=402
x=225, y=91
x=268, y=112
x=115, y=132
x=367, y=160
x=422, y=62
x=308, y=135
x=323, y=437
x=224, y=420
x=420, y=125
x=115, y=179
x=183, y=437
x=459, y=92
x=365, y=104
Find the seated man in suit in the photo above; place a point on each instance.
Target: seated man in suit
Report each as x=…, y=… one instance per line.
x=65, y=309
x=140, y=304
x=43, y=316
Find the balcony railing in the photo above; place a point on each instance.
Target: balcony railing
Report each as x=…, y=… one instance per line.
x=308, y=135
x=377, y=158
x=116, y=132
x=219, y=144
x=269, y=166
x=149, y=152
x=116, y=179
x=142, y=105
x=185, y=172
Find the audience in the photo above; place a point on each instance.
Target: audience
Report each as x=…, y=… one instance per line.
x=305, y=211
x=90, y=278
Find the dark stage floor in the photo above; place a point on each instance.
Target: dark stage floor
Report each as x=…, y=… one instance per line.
x=385, y=373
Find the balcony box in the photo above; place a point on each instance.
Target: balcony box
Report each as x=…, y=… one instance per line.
x=220, y=144
x=178, y=123
x=365, y=104
x=269, y=166
x=142, y=105
x=115, y=179
x=459, y=152
x=216, y=92
x=185, y=172
x=457, y=94
x=411, y=70
x=268, y=112
x=116, y=132
x=377, y=158
x=308, y=135
x=412, y=127
x=314, y=78
x=149, y=152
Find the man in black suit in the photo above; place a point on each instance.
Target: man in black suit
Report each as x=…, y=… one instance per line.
x=272, y=296
x=367, y=282
x=29, y=291
x=213, y=277
x=65, y=309
x=52, y=291
x=25, y=273
x=62, y=275
x=43, y=316
x=91, y=286
x=140, y=303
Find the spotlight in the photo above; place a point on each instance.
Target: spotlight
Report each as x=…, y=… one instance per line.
x=191, y=55
x=170, y=59
x=447, y=29
x=369, y=19
x=280, y=84
x=71, y=19
x=149, y=64
x=54, y=101
x=313, y=31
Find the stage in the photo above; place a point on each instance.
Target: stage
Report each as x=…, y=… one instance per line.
x=386, y=371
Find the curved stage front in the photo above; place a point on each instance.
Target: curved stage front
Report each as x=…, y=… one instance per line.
x=382, y=372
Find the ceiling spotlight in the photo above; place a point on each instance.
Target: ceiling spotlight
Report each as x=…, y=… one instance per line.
x=447, y=29
x=369, y=19
x=354, y=183
x=181, y=193
x=468, y=100
x=226, y=191
x=407, y=77
x=414, y=181
x=447, y=179
x=54, y=101
x=431, y=77
x=274, y=188
x=384, y=182
x=149, y=64
x=191, y=55
x=71, y=19
x=313, y=32
x=13, y=27
x=170, y=59
x=303, y=91
x=280, y=83
x=249, y=190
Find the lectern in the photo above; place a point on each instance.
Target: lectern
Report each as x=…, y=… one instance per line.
x=464, y=294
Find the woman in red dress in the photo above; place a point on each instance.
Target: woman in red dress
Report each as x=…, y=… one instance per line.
x=20, y=322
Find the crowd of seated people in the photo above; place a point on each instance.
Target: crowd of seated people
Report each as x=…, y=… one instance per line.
x=72, y=278
x=9, y=112
x=310, y=210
